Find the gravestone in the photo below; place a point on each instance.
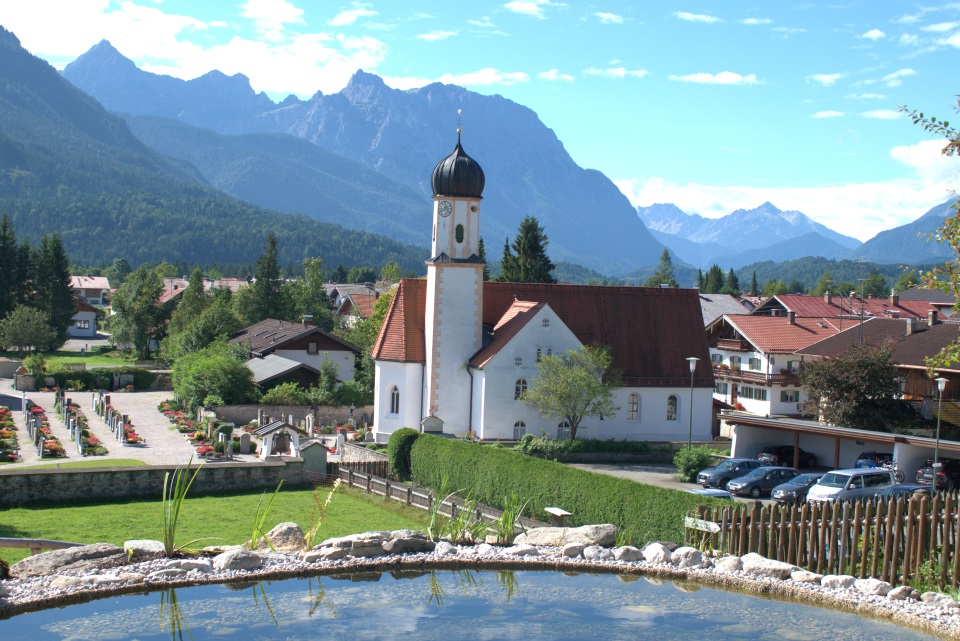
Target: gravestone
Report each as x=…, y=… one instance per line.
x=244, y=443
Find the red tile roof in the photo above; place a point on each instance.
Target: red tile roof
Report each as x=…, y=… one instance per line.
x=777, y=335
x=651, y=331
x=89, y=282
x=516, y=318
x=812, y=306
x=362, y=304
x=271, y=334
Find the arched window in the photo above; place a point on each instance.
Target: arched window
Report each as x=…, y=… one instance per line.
x=519, y=429
x=394, y=400
x=633, y=406
x=459, y=232
x=539, y=354
x=672, y=407
x=519, y=388
x=563, y=430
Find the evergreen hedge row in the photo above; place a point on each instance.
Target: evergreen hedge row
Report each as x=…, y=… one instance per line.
x=490, y=474
x=95, y=378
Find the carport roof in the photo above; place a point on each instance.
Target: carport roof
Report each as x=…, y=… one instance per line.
x=846, y=433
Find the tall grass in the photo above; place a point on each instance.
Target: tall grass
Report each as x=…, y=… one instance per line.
x=175, y=490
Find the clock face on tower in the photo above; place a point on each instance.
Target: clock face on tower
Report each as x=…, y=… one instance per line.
x=444, y=208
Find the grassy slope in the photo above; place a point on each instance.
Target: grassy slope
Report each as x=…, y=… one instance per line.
x=227, y=518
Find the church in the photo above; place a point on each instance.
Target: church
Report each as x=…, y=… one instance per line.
x=455, y=353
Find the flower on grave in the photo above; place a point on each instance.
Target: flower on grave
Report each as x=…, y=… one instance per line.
x=129, y=388
x=204, y=450
x=92, y=440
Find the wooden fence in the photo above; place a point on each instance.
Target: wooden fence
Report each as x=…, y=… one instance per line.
x=420, y=498
x=892, y=540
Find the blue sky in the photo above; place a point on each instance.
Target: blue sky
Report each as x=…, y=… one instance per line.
x=709, y=105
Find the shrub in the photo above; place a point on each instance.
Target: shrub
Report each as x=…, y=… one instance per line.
x=36, y=365
x=491, y=474
x=691, y=461
x=398, y=451
x=546, y=446
x=286, y=394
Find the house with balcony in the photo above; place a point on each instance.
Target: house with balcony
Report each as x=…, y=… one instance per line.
x=755, y=362
x=93, y=290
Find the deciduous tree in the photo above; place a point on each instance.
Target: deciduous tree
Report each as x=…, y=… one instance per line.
x=137, y=311
x=27, y=329
x=574, y=386
x=858, y=388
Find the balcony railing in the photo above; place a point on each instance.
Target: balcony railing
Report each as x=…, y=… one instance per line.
x=751, y=376
x=733, y=344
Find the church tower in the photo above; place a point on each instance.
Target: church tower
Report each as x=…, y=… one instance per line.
x=454, y=306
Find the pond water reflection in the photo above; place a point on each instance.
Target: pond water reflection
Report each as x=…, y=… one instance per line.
x=445, y=606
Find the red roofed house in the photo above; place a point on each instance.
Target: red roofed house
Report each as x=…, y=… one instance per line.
x=94, y=290
x=455, y=352
x=353, y=307
x=833, y=306
x=754, y=360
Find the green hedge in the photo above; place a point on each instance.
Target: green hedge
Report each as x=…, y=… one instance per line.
x=95, y=378
x=645, y=512
x=398, y=452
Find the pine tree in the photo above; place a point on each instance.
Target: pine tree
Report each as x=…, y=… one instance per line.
x=699, y=283
x=482, y=255
x=754, y=288
x=664, y=274
x=529, y=262
x=266, y=289
x=714, y=280
x=54, y=294
x=731, y=285
x=194, y=300
x=8, y=267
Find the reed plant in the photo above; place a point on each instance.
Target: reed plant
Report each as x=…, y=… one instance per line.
x=505, y=527
x=260, y=518
x=175, y=490
x=319, y=512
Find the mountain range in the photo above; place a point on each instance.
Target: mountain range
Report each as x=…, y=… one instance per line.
x=401, y=135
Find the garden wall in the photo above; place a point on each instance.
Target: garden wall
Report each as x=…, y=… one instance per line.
x=356, y=454
x=35, y=486
x=326, y=415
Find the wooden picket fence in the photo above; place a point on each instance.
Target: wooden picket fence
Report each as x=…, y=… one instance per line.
x=891, y=540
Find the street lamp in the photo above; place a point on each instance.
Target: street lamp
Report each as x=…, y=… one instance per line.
x=693, y=366
x=941, y=384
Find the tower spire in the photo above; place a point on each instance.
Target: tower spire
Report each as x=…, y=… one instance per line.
x=459, y=123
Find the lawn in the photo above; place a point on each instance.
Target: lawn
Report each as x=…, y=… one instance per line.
x=92, y=359
x=225, y=519
x=115, y=462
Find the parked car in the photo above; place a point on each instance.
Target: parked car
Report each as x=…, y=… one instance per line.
x=873, y=459
x=795, y=490
x=896, y=491
x=948, y=478
x=850, y=485
x=714, y=493
x=761, y=481
x=730, y=469
x=783, y=455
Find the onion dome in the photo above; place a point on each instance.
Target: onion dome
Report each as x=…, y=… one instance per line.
x=458, y=175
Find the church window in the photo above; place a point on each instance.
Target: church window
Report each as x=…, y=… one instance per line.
x=546, y=322
x=549, y=351
x=394, y=400
x=672, y=407
x=563, y=430
x=519, y=429
x=519, y=388
x=633, y=406
x=459, y=233
x=539, y=354
x=518, y=361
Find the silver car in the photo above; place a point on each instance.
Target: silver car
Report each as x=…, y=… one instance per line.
x=850, y=485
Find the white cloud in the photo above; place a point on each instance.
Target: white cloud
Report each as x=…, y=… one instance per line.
x=218, y=23
x=350, y=16
x=825, y=79
x=271, y=16
x=873, y=34
x=894, y=79
x=865, y=96
x=941, y=27
x=786, y=32
x=483, y=77
x=860, y=210
x=696, y=17
x=616, y=72
x=535, y=8
x=722, y=78
x=433, y=36
x=827, y=114
x=882, y=114
x=909, y=39
x=755, y=21
x=483, y=23
x=554, y=74
x=609, y=18
x=953, y=41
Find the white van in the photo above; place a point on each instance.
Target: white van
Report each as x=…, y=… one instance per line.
x=850, y=485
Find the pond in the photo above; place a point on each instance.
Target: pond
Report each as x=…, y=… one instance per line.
x=447, y=606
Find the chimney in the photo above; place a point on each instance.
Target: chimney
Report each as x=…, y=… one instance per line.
x=894, y=299
x=792, y=317
x=307, y=319
x=932, y=317
x=827, y=298
x=910, y=326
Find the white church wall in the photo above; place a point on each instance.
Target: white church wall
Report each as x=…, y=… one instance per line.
x=407, y=377
x=344, y=360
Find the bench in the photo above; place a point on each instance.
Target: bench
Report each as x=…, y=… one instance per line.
x=556, y=515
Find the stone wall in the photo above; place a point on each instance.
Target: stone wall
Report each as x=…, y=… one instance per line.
x=326, y=415
x=357, y=454
x=35, y=486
